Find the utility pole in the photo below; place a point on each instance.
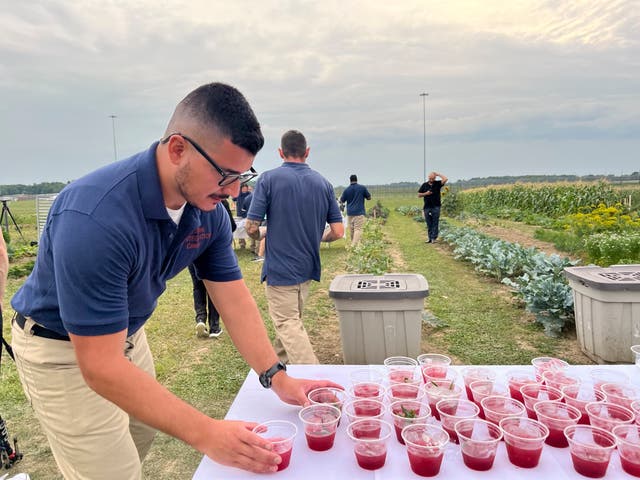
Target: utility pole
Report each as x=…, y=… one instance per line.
x=424, y=135
x=113, y=129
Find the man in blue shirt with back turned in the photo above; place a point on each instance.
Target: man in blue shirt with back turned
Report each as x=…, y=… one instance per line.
x=111, y=242
x=298, y=203
x=355, y=195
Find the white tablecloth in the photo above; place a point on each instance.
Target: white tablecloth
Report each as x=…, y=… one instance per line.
x=254, y=403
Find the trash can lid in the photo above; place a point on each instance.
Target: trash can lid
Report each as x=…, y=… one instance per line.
x=615, y=277
x=388, y=286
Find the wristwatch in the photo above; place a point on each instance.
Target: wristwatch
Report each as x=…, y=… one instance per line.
x=265, y=377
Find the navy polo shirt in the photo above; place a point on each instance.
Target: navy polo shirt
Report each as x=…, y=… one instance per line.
x=298, y=203
x=354, y=195
x=109, y=247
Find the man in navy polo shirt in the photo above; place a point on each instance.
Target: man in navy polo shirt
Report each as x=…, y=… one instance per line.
x=298, y=203
x=111, y=242
x=354, y=196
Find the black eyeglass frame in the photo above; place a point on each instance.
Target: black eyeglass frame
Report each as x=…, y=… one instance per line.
x=227, y=178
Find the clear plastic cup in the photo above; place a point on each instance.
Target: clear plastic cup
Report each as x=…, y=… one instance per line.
x=329, y=396
x=471, y=374
x=607, y=375
x=450, y=375
x=558, y=379
x=579, y=395
x=370, y=436
x=635, y=408
x=483, y=388
x=534, y=393
x=437, y=390
x=433, y=365
x=621, y=394
x=405, y=391
x=366, y=375
x=628, y=442
x=358, y=408
x=452, y=410
x=635, y=350
x=518, y=377
x=374, y=391
x=425, y=448
x=280, y=434
x=524, y=439
x=591, y=449
x=408, y=412
x=542, y=364
x=402, y=370
x=556, y=416
x=479, y=441
x=607, y=415
x=320, y=422
x=497, y=407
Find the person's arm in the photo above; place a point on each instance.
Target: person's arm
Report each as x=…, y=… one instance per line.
x=252, y=228
x=367, y=195
x=4, y=267
x=335, y=232
x=443, y=178
x=111, y=375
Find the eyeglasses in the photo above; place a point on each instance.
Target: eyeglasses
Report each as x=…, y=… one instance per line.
x=227, y=178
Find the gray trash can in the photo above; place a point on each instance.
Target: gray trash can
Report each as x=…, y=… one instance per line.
x=380, y=316
x=607, y=310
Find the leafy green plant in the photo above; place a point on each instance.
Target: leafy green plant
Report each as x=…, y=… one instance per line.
x=379, y=211
x=370, y=255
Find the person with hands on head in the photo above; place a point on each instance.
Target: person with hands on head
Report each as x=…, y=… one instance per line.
x=430, y=192
x=112, y=240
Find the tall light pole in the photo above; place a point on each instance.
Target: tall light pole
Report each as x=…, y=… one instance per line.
x=113, y=129
x=424, y=135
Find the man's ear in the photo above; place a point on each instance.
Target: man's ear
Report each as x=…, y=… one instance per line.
x=281, y=153
x=176, y=149
x=306, y=153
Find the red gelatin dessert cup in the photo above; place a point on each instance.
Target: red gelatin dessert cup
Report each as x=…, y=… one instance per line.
x=452, y=410
x=408, y=412
x=628, y=442
x=518, y=377
x=579, y=395
x=557, y=416
x=483, y=388
x=437, y=390
x=320, y=423
x=524, y=439
x=375, y=391
x=433, y=365
x=534, y=393
x=590, y=448
x=404, y=391
x=471, y=374
x=479, y=441
x=607, y=415
x=281, y=434
x=358, y=408
x=370, y=438
x=425, y=448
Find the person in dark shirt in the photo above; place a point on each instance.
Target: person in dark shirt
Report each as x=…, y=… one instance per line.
x=430, y=193
x=204, y=307
x=354, y=196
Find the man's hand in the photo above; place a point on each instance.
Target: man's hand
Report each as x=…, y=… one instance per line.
x=294, y=390
x=252, y=228
x=233, y=443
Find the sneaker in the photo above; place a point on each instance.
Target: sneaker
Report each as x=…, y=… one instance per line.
x=428, y=241
x=216, y=334
x=201, y=330
x=258, y=259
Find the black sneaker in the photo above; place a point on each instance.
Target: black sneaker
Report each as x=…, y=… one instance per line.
x=215, y=333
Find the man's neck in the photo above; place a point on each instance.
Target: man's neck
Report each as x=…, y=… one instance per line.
x=294, y=160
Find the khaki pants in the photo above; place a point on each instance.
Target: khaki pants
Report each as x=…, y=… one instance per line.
x=356, y=224
x=285, y=307
x=90, y=437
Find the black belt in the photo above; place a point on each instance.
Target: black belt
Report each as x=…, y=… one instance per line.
x=38, y=330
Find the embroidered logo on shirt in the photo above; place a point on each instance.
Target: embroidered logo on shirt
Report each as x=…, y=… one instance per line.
x=195, y=239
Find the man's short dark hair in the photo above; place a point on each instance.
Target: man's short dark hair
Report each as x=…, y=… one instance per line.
x=293, y=144
x=353, y=178
x=224, y=108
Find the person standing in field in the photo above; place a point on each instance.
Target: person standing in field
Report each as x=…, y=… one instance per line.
x=354, y=196
x=430, y=192
x=298, y=203
x=111, y=242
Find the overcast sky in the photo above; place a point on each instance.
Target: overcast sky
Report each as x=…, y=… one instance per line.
x=514, y=87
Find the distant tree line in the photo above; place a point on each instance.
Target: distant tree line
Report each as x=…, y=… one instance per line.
x=485, y=181
x=34, y=189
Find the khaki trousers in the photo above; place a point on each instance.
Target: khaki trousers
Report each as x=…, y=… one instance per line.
x=356, y=224
x=90, y=437
x=285, y=307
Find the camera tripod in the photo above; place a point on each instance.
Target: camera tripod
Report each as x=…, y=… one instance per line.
x=5, y=215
